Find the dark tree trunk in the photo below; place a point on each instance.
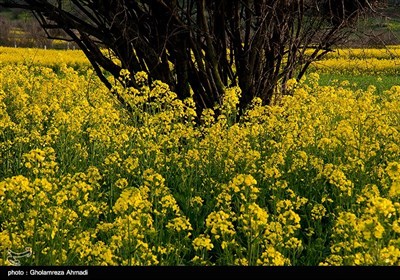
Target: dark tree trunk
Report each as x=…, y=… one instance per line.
x=200, y=45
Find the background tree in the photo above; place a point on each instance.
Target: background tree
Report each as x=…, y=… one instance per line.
x=201, y=45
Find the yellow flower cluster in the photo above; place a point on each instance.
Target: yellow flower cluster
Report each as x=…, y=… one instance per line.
x=313, y=179
x=360, y=61
x=49, y=58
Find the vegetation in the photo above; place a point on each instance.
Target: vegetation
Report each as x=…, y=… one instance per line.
x=313, y=179
x=199, y=133
x=200, y=48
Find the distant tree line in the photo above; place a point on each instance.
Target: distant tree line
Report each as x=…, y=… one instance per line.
x=19, y=28
x=394, y=2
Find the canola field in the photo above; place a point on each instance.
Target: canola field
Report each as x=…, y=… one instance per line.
x=311, y=180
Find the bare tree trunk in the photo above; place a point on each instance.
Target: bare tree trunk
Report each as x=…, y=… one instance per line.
x=202, y=46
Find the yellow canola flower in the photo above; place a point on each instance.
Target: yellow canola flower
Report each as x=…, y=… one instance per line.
x=393, y=170
x=272, y=257
x=180, y=224
x=389, y=255
x=254, y=218
x=196, y=201
x=371, y=228
x=394, y=190
x=318, y=212
x=43, y=57
x=220, y=225
x=202, y=242
x=130, y=198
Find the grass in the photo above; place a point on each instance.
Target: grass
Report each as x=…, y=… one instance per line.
x=382, y=83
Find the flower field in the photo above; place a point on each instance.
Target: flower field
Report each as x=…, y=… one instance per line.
x=361, y=61
x=311, y=180
x=50, y=58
